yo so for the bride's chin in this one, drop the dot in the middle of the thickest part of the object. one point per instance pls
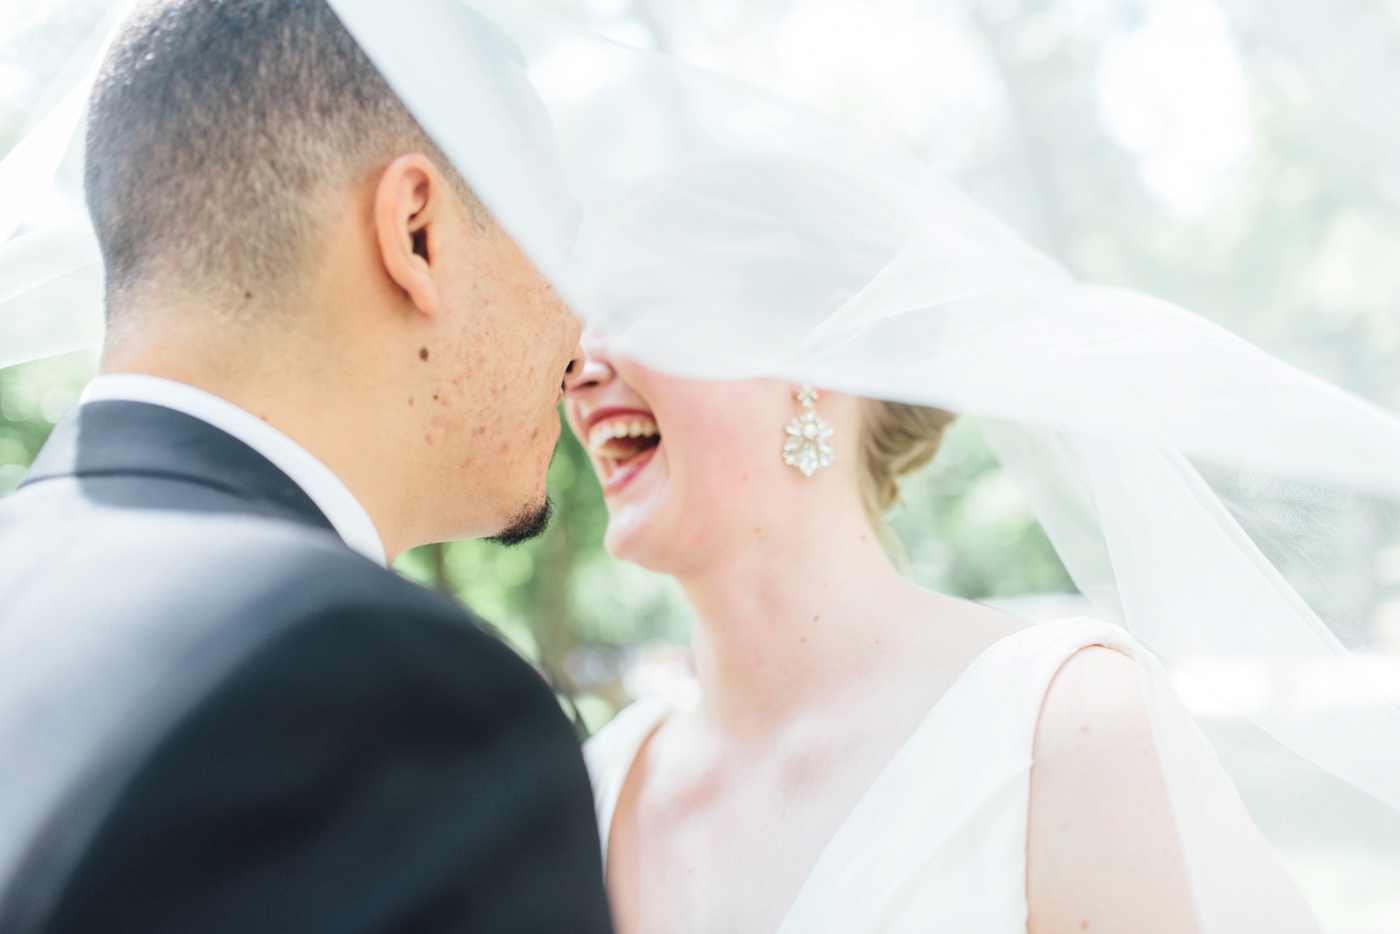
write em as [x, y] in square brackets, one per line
[636, 512]
[622, 543]
[631, 537]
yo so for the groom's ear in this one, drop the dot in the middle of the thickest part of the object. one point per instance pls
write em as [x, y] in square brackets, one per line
[409, 205]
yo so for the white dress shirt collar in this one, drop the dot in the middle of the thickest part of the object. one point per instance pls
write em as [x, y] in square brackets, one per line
[316, 480]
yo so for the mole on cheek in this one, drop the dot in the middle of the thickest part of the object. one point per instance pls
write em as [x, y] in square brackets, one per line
[423, 353]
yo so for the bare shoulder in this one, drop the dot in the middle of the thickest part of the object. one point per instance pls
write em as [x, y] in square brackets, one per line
[1103, 852]
[1094, 716]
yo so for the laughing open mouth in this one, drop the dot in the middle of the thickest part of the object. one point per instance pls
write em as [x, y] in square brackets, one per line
[622, 445]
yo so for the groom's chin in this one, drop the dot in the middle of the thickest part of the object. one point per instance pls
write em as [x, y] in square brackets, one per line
[530, 522]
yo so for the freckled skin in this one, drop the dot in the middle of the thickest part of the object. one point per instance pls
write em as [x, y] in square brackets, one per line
[511, 342]
[490, 359]
[407, 295]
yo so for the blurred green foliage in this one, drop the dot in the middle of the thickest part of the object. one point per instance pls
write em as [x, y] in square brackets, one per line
[32, 398]
[965, 527]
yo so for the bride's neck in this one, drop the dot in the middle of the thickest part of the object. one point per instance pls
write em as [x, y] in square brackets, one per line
[783, 622]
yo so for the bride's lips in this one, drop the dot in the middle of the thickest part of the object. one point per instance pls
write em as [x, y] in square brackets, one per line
[621, 443]
[625, 475]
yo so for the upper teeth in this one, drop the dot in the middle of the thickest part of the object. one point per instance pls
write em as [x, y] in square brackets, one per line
[603, 432]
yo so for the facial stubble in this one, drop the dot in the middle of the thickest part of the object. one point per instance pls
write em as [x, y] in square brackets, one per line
[530, 523]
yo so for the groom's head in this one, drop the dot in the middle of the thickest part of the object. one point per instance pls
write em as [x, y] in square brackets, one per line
[274, 220]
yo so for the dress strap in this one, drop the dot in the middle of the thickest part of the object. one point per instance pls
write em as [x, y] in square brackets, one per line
[611, 754]
[948, 815]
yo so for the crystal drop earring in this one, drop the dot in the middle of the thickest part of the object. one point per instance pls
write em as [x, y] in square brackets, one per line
[808, 445]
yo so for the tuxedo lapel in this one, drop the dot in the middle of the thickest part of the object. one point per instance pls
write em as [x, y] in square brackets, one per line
[136, 455]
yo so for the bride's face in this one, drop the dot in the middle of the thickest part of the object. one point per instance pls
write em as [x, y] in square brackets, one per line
[691, 469]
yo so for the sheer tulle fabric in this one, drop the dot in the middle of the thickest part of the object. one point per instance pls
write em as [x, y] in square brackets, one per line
[1198, 490]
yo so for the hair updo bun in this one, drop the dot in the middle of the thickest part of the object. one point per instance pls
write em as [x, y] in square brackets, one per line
[897, 439]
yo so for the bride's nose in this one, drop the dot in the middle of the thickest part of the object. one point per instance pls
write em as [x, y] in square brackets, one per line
[597, 370]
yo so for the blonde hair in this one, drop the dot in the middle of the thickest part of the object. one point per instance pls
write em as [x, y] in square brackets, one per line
[896, 439]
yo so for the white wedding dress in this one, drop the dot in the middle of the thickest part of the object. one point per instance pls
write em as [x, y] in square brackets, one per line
[938, 843]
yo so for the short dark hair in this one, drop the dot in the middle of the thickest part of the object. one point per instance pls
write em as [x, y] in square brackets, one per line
[216, 126]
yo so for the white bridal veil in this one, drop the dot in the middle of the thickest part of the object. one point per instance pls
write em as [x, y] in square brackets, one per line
[1195, 488]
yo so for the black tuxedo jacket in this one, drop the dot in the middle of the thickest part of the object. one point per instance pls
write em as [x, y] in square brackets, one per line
[216, 717]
